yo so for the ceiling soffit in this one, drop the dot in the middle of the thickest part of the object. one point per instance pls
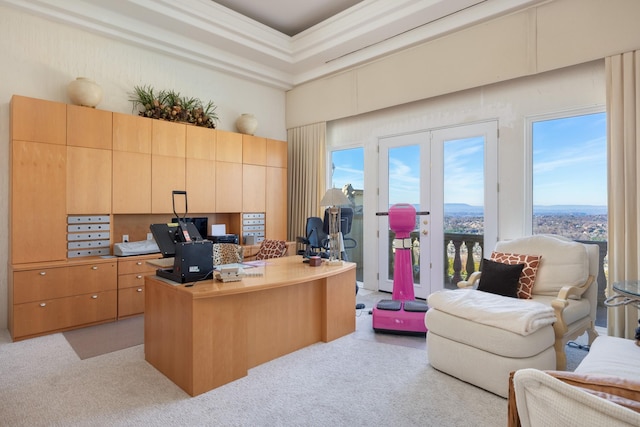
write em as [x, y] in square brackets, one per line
[213, 36]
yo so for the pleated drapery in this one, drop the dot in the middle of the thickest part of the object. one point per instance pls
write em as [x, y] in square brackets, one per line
[623, 124]
[307, 175]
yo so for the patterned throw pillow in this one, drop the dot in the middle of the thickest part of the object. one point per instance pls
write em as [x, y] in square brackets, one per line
[271, 249]
[528, 275]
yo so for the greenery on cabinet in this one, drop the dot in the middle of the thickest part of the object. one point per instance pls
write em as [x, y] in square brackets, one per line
[171, 106]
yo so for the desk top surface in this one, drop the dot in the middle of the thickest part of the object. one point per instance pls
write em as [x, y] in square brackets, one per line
[275, 272]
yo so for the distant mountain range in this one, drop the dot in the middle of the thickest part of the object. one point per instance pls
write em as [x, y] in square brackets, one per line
[463, 209]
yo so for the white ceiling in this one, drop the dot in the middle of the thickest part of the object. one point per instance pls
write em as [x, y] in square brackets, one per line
[255, 45]
[288, 16]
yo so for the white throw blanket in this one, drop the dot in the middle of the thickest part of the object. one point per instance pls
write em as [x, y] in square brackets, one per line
[512, 314]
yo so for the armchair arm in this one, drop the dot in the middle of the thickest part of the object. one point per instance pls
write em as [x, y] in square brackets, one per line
[560, 303]
[471, 280]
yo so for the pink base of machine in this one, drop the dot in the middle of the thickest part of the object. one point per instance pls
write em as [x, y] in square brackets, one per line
[402, 314]
[398, 321]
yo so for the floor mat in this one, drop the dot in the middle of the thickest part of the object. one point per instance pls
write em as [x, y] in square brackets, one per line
[96, 340]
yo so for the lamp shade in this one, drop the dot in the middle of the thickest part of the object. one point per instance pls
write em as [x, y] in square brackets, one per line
[334, 197]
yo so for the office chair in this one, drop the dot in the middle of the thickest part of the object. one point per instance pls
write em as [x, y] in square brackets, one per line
[346, 219]
[316, 239]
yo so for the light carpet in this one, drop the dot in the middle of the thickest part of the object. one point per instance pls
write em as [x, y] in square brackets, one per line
[349, 381]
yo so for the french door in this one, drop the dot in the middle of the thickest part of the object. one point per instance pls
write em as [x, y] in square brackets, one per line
[450, 173]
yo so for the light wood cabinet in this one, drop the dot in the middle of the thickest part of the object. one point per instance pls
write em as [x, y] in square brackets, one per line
[88, 181]
[88, 127]
[38, 120]
[131, 176]
[228, 187]
[276, 203]
[200, 172]
[254, 150]
[168, 148]
[38, 202]
[60, 297]
[131, 273]
[228, 147]
[254, 188]
[277, 154]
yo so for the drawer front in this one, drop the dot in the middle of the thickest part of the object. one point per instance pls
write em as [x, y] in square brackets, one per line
[132, 280]
[131, 301]
[50, 315]
[131, 266]
[94, 277]
[41, 284]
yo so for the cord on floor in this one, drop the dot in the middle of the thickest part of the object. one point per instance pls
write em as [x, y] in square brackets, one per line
[573, 344]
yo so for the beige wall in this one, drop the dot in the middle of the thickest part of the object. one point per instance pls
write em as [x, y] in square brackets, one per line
[39, 58]
[555, 35]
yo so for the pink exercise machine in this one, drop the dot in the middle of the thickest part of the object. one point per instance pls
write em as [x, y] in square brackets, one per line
[402, 314]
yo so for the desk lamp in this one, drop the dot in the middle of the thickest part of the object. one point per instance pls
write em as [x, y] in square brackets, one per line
[334, 198]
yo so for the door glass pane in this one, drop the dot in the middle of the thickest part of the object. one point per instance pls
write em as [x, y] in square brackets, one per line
[463, 207]
[404, 187]
[347, 168]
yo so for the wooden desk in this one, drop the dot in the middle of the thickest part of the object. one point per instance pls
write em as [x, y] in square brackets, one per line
[204, 336]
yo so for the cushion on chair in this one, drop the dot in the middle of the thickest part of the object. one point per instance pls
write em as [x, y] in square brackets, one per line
[563, 262]
[528, 275]
[271, 249]
[499, 278]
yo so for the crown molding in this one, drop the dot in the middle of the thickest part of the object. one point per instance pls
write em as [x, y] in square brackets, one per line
[217, 38]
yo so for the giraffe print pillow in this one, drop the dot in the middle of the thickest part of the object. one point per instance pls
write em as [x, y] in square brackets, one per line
[528, 275]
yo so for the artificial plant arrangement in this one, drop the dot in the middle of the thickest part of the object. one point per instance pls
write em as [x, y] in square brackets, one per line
[170, 105]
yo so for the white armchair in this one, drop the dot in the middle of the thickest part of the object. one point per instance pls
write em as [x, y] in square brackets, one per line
[544, 400]
[564, 280]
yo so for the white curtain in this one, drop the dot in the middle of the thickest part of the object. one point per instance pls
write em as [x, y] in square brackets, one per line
[307, 175]
[623, 124]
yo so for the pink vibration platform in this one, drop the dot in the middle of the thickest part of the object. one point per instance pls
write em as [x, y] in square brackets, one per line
[402, 314]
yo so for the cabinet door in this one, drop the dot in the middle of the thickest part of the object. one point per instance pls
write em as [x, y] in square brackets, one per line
[88, 181]
[277, 153]
[201, 143]
[228, 187]
[131, 301]
[254, 150]
[167, 175]
[276, 213]
[88, 127]
[131, 133]
[168, 138]
[253, 188]
[201, 185]
[228, 147]
[38, 202]
[131, 189]
[37, 120]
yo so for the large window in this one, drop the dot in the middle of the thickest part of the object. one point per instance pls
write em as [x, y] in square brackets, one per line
[347, 174]
[570, 177]
[569, 183]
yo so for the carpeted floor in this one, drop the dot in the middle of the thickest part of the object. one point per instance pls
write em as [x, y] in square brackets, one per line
[361, 379]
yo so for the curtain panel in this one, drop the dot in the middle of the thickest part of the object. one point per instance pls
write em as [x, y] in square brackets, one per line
[306, 175]
[623, 120]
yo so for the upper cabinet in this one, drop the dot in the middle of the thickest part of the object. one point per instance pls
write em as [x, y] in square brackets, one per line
[277, 153]
[131, 179]
[254, 150]
[168, 148]
[88, 127]
[37, 120]
[200, 173]
[229, 147]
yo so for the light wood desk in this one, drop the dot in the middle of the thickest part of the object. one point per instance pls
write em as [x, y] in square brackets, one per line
[204, 336]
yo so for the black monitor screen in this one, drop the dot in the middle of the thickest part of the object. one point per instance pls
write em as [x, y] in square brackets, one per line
[201, 224]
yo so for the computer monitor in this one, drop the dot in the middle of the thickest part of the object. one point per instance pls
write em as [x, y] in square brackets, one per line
[201, 224]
